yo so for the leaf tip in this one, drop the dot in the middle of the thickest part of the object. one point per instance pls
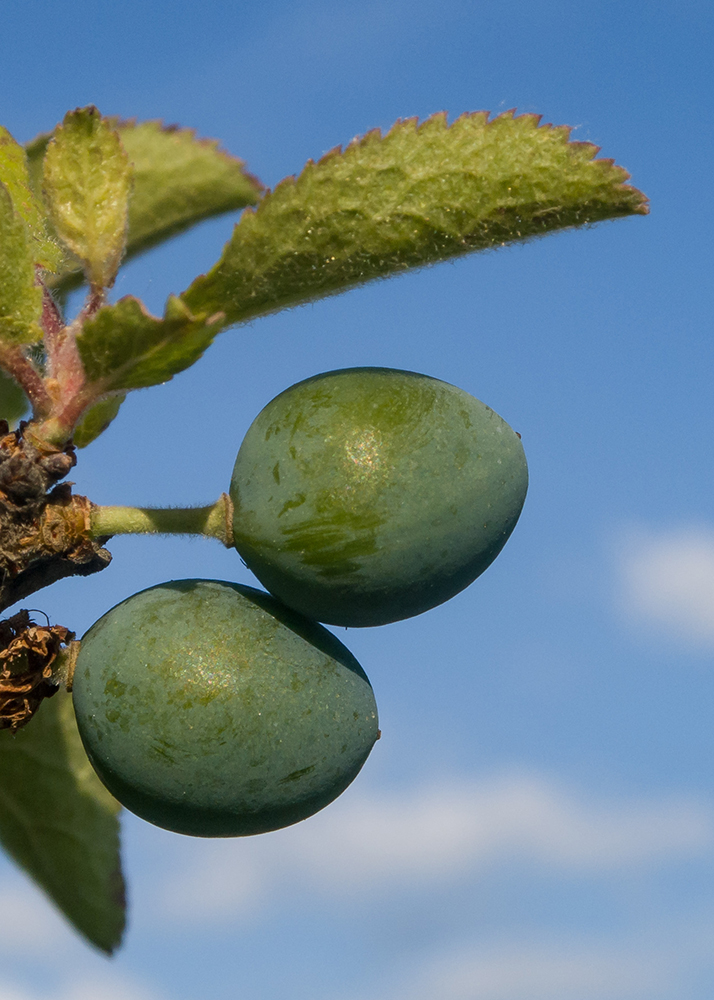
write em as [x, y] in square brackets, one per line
[373, 135]
[130, 302]
[329, 155]
[589, 148]
[439, 120]
[529, 118]
[642, 205]
[400, 125]
[90, 111]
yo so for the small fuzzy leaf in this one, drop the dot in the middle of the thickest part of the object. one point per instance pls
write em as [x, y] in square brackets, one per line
[96, 420]
[420, 194]
[178, 181]
[60, 824]
[20, 296]
[87, 181]
[14, 404]
[124, 347]
[15, 176]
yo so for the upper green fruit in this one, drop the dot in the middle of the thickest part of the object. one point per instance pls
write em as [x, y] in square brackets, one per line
[209, 708]
[368, 495]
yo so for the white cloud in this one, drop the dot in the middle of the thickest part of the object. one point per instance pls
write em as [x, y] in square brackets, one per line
[86, 989]
[663, 962]
[101, 989]
[31, 919]
[35, 936]
[532, 972]
[436, 834]
[668, 581]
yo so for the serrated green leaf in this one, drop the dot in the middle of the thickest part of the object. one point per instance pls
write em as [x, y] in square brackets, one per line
[179, 180]
[20, 297]
[87, 181]
[14, 404]
[96, 420]
[60, 824]
[124, 347]
[416, 196]
[15, 176]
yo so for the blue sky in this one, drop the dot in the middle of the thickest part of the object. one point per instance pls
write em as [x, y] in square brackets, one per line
[538, 818]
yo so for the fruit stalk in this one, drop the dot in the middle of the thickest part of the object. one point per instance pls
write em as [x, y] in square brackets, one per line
[213, 521]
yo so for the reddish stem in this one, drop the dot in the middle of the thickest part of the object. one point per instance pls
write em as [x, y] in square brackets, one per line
[59, 400]
[96, 298]
[23, 371]
[76, 406]
[52, 323]
[66, 372]
[51, 316]
[57, 428]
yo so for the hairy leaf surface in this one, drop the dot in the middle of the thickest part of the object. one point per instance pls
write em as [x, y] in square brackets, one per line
[60, 824]
[20, 297]
[179, 180]
[124, 347]
[87, 180]
[14, 174]
[418, 195]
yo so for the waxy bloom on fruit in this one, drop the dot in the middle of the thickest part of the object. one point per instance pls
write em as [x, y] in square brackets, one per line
[368, 495]
[209, 708]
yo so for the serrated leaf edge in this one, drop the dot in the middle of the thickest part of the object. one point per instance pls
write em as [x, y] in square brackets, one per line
[192, 133]
[438, 119]
[87, 266]
[175, 310]
[376, 134]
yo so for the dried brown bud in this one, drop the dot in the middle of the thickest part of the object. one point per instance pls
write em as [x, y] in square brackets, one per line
[26, 660]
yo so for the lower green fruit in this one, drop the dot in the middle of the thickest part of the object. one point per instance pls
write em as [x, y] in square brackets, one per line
[368, 495]
[209, 708]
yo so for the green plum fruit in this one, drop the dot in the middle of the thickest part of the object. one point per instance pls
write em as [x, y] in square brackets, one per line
[211, 709]
[368, 495]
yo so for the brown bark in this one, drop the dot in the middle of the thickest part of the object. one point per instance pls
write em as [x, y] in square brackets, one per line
[43, 527]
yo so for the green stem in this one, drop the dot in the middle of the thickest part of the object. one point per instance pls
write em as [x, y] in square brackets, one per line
[214, 521]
